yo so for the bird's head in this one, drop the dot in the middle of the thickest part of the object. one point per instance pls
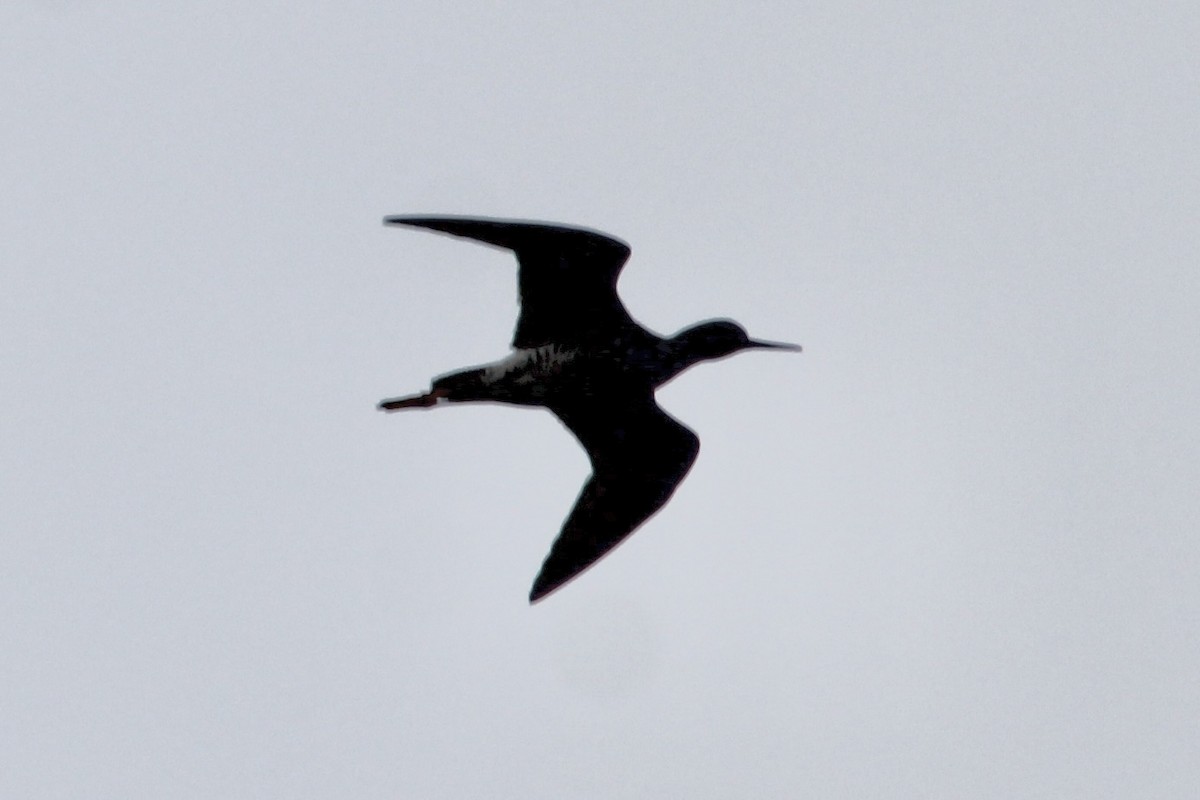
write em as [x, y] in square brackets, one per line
[721, 337]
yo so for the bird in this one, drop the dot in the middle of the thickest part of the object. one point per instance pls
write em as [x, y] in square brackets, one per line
[578, 353]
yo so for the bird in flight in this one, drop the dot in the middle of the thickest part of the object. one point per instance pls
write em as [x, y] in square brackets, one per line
[578, 353]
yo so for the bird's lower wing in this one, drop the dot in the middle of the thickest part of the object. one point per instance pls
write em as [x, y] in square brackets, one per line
[639, 456]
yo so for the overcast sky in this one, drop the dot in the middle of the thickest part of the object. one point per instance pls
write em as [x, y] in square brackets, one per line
[950, 551]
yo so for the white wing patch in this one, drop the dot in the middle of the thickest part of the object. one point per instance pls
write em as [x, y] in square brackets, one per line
[529, 365]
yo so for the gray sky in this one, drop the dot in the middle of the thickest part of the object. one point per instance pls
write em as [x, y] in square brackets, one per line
[950, 551]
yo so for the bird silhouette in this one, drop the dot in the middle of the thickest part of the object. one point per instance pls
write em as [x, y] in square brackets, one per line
[578, 353]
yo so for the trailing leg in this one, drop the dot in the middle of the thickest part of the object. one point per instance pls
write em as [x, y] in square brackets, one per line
[428, 400]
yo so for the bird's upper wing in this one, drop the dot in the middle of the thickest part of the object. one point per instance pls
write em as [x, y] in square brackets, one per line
[568, 276]
[639, 456]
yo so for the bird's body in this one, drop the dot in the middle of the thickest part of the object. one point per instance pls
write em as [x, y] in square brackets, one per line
[578, 353]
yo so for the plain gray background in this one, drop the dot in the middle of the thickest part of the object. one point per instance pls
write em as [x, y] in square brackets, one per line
[948, 552]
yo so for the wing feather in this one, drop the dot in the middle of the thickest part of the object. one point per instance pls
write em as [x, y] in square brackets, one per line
[639, 455]
[567, 281]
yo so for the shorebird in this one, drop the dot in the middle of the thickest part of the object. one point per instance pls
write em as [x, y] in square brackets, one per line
[578, 353]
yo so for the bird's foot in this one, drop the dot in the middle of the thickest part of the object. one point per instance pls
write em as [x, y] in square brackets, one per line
[416, 401]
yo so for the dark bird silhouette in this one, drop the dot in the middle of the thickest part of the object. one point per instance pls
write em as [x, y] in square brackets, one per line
[577, 352]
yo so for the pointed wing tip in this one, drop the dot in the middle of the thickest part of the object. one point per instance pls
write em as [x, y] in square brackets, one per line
[549, 582]
[543, 589]
[500, 232]
[555, 575]
[425, 220]
[436, 220]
